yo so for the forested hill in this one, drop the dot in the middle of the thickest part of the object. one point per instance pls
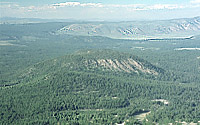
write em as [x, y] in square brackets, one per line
[94, 61]
[92, 87]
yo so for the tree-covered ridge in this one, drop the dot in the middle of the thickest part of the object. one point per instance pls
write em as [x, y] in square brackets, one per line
[51, 93]
[113, 61]
[95, 61]
[79, 97]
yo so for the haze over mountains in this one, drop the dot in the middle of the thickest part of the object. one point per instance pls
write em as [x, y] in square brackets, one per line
[160, 29]
[175, 28]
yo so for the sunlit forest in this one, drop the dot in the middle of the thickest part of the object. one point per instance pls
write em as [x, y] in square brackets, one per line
[48, 76]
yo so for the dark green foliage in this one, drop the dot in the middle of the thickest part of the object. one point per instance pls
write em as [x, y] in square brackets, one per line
[38, 85]
[88, 94]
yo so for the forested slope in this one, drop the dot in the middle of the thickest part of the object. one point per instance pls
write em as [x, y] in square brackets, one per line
[73, 89]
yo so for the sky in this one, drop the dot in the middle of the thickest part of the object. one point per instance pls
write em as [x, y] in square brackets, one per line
[107, 10]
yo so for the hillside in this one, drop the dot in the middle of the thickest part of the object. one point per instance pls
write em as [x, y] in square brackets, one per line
[177, 28]
[92, 87]
[66, 79]
[92, 61]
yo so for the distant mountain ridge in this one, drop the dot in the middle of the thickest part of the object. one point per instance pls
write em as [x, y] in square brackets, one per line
[137, 29]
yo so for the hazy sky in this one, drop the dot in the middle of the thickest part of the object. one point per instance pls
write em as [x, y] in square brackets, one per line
[100, 9]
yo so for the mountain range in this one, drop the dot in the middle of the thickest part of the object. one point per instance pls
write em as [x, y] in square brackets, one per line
[174, 28]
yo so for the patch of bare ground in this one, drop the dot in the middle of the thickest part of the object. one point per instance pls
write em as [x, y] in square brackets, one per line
[104, 63]
[128, 65]
[187, 49]
[166, 102]
[113, 64]
[91, 110]
[142, 116]
[185, 123]
[120, 124]
[121, 66]
[114, 97]
[5, 43]
[47, 77]
[140, 67]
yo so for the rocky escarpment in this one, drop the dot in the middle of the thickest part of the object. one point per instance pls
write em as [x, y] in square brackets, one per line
[129, 65]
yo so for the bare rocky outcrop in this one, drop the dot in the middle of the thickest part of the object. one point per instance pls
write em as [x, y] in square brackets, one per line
[127, 65]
